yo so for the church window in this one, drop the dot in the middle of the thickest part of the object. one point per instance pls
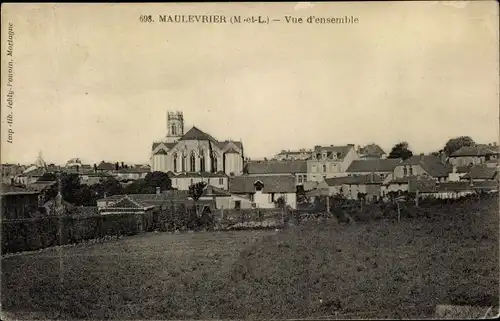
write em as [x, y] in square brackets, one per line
[174, 130]
[192, 163]
[405, 171]
[221, 181]
[175, 163]
[214, 162]
[202, 161]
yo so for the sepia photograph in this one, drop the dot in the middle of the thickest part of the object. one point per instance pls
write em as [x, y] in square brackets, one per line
[250, 161]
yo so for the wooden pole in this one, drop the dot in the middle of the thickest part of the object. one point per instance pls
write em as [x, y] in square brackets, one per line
[416, 198]
[399, 212]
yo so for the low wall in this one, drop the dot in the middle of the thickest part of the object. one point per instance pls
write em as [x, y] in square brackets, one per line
[38, 233]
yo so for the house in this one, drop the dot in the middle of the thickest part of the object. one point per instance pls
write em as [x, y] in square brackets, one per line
[277, 167]
[18, 202]
[352, 187]
[330, 161]
[264, 191]
[381, 167]
[301, 154]
[416, 167]
[473, 155]
[182, 181]
[224, 199]
[480, 172]
[371, 151]
[423, 165]
[105, 167]
[195, 151]
[125, 174]
[446, 190]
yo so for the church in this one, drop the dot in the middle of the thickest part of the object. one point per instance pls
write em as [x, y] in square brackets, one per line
[195, 155]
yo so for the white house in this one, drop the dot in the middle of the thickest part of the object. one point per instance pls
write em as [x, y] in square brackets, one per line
[264, 191]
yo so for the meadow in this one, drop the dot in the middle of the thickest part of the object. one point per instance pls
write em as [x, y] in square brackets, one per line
[382, 269]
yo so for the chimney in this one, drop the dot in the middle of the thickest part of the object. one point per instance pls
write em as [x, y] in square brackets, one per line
[158, 190]
[454, 169]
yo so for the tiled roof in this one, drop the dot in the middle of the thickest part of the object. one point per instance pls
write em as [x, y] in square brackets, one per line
[276, 167]
[130, 202]
[479, 150]
[372, 150]
[354, 180]
[373, 165]
[272, 184]
[431, 164]
[197, 134]
[481, 171]
[333, 152]
[463, 169]
[165, 198]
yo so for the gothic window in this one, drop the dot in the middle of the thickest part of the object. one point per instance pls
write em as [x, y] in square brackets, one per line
[202, 161]
[174, 130]
[192, 163]
[175, 163]
[214, 162]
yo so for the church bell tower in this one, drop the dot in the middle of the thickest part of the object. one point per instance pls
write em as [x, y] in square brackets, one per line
[175, 126]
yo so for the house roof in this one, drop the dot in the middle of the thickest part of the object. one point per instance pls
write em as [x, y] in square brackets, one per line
[272, 184]
[444, 187]
[106, 166]
[333, 152]
[429, 163]
[276, 167]
[372, 150]
[481, 171]
[196, 134]
[214, 191]
[373, 165]
[354, 180]
[478, 150]
[231, 150]
[41, 185]
[15, 190]
[224, 143]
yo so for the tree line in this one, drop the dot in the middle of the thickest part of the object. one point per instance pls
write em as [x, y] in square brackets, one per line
[402, 149]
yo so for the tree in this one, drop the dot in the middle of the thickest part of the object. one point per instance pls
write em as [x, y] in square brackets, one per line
[157, 179]
[401, 150]
[195, 192]
[109, 186]
[47, 177]
[456, 143]
[280, 202]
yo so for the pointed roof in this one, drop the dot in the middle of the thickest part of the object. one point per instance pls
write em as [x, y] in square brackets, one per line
[196, 134]
[231, 150]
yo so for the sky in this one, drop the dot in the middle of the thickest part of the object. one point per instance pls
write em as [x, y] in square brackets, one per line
[92, 81]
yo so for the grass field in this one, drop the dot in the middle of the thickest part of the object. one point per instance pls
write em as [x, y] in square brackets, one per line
[377, 269]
